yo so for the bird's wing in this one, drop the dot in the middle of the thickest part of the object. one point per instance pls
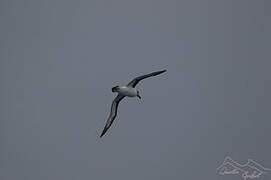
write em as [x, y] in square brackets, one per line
[113, 113]
[136, 80]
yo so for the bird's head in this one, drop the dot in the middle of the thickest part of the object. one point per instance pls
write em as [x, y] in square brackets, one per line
[115, 89]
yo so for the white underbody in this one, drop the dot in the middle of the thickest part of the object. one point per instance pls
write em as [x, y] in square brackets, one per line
[127, 91]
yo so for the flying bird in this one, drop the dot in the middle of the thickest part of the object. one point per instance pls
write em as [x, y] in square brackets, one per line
[128, 90]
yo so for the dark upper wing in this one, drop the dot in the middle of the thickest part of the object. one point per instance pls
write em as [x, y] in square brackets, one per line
[113, 113]
[134, 82]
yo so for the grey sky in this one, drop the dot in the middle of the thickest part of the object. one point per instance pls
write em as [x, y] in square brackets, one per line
[59, 60]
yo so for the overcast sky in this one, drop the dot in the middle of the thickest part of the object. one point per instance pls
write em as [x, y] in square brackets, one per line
[60, 58]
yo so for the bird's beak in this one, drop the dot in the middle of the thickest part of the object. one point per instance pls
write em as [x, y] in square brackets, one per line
[139, 96]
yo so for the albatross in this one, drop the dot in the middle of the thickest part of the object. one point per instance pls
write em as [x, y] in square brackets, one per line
[130, 91]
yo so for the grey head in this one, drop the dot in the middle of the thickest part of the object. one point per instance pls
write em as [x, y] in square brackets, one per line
[115, 89]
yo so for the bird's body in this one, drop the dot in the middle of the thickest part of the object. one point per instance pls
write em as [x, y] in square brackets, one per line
[130, 91]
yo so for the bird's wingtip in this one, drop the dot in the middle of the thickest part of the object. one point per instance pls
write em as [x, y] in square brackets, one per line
[103, 133]
[162, 71]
